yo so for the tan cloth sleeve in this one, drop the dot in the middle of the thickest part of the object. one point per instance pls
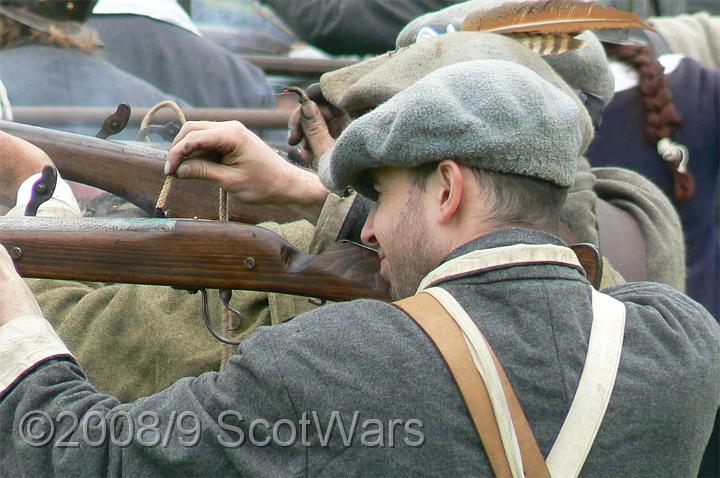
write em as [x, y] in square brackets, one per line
[696, 36]
[134, 340]
[25, 342]
[610, 276]
[332, 217]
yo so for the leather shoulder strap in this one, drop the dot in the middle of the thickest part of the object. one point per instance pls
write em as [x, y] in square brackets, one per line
[450, 341]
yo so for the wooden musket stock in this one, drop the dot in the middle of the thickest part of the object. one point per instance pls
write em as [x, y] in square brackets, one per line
[135, 172]
[187, 254]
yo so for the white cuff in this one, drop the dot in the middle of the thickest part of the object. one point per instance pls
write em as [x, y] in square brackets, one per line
[62, 203]
[24, 343]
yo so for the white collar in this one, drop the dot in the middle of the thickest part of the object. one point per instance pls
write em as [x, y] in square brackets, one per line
[168, 11]
[627, 77]
[486, 259]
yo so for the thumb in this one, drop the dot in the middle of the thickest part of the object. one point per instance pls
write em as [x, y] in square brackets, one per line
[316, 130]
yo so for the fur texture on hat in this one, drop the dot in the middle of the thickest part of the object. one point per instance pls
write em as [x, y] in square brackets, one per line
[496, 115]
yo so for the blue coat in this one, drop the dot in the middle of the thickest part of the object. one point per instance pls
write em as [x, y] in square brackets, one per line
[621, 142]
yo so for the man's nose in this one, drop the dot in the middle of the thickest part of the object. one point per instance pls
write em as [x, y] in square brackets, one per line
[367, 235]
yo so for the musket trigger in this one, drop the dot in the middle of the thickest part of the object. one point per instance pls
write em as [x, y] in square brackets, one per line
[42, 190]
[225, 295]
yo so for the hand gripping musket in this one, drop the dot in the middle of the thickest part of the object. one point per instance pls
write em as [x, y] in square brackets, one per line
[135, 172]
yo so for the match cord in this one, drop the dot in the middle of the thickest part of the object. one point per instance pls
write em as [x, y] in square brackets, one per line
[228, 349]
[671, 152]
[167, 185]
[223, 213]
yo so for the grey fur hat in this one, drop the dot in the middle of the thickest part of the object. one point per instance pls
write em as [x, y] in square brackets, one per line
[585, 69]
[493, 114]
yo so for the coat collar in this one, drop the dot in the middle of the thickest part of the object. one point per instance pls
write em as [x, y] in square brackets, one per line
[502, 249]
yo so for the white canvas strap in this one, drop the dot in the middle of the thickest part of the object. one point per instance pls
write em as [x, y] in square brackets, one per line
[479, 350]
[588, 408]
[597, 380]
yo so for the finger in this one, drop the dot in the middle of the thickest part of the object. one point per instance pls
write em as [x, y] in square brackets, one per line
[218, 140]
[204, 169]
[191, 126]
[295, 128]
[295, 131]
[316, 129]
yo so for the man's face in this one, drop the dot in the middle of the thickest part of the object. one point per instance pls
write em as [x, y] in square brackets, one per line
[398, 227]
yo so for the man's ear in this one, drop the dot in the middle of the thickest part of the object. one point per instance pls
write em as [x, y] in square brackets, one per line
[449, 192]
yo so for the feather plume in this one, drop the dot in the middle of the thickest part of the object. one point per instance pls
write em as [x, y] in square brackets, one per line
[551, 17]
[548, 44]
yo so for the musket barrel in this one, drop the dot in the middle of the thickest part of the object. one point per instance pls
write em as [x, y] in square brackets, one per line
[37, 134]
[94, 116]
[312, 67]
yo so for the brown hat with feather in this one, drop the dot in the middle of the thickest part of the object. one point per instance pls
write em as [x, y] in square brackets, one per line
[553, 28]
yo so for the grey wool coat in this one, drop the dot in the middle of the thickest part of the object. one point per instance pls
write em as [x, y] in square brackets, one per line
[181, 63]
[367, 359]
[42, 75]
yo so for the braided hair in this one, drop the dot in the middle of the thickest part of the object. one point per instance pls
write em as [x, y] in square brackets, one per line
[662, 119]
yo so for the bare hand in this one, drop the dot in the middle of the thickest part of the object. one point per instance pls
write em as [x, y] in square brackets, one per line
[16, 299]
[249, 170]
[18, 161]
[318, 123]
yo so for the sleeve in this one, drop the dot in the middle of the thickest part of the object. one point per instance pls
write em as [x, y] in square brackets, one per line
[696, 36]
[338, 220]
[203, 426]
[26, 342]
[125, 354]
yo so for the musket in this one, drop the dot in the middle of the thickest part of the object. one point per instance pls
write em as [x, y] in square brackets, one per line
[309, 67]
[191, 254]
[135, 172]
[197, 254]
[94, 115]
